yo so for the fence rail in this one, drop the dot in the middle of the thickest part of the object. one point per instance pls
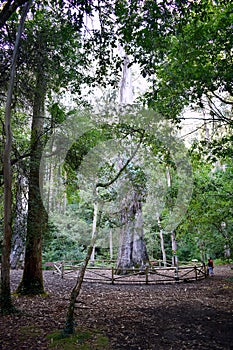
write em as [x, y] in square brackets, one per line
[148, 275]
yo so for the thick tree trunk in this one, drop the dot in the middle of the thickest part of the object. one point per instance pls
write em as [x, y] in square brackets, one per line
[32, 281]
[5, 296]
[20, 222]
[132, 250]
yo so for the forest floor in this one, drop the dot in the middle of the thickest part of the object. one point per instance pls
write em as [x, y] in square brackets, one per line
[195, 315]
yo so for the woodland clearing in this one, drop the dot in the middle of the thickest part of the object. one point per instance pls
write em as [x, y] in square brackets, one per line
[195, 315]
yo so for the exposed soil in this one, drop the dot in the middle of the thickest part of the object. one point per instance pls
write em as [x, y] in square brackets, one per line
[196, 315]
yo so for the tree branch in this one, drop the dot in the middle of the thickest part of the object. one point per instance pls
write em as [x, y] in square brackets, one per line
[222, 99]
[107, 184]
[8, 9]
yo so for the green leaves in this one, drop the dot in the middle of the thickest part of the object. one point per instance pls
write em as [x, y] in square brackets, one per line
[211, 205]
[58, 113]
[184, 48]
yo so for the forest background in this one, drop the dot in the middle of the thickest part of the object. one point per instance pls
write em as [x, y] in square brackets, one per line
[75, 65]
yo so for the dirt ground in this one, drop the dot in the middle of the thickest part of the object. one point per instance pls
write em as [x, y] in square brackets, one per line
[195, 315]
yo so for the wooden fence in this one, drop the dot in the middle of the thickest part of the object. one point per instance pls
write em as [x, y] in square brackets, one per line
[148, 275]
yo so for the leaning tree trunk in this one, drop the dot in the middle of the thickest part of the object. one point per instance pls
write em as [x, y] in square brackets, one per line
[69, 325]
[5, 296]
[32, 280]
[132, 250]
[20, 222]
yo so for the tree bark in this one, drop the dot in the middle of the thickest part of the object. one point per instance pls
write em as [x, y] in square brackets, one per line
[8, 9]
[173, 234]
[94, 224]
[110, 244]
[5, 297]
[32, 280]
[20, 222]
[132, 250]
[162, 242]
[174, 249]
[69, 325]
[6, 303]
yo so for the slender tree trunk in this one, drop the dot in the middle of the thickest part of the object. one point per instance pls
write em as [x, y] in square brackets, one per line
[174, 249]
[69, 326]
[173, 234]
[94, 223]
[20, 223]
[227, 249]
[110, 244]
[5, 297]
[126, 88]
[32, 281]
[162, 242]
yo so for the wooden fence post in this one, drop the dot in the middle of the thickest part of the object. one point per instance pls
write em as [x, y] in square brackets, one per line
[204, 268]
[195, 268]
[176, 274]
[62, 269]
[112, 275]
[147, 273]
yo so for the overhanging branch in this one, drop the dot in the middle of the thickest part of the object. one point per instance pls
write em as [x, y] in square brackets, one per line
[107, 184]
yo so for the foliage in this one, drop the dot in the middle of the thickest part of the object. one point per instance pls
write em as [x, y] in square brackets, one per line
[210, 207]
[184, 48]
[70, 232]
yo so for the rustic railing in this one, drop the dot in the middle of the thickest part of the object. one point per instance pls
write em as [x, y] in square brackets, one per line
[146, 275]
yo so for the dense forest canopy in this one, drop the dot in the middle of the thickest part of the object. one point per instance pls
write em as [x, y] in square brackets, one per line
[106, 166]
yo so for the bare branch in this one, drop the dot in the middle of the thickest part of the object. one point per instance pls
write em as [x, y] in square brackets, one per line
[107, 184]
[222, 99]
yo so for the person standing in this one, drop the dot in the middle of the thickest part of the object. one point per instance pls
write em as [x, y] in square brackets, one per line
[210, 267]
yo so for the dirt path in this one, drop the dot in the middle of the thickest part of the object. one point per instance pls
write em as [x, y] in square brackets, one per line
[194, 315]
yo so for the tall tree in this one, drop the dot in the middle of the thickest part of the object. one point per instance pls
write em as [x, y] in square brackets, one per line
[32, 281]
[6, 302]
[45, 38]
[57, 62]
